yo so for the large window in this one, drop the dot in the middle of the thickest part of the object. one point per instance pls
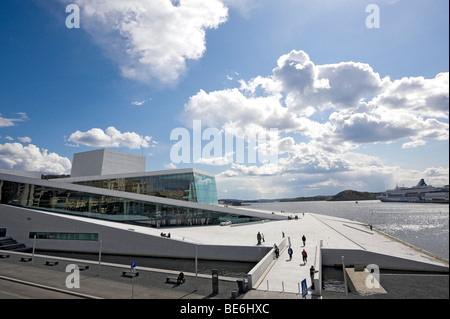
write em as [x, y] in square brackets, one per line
[119, 209]
[64, 236]
[193, 187]
[206, 190]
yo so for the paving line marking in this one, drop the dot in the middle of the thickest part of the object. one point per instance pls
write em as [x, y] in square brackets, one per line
[338, 231]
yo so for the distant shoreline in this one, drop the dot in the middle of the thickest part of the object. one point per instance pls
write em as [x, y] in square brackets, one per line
[347, 195]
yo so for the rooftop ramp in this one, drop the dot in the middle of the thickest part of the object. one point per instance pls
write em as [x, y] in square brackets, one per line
[328, 239]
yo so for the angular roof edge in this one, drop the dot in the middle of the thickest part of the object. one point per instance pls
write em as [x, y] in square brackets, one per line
[131, 175]
[139, 197]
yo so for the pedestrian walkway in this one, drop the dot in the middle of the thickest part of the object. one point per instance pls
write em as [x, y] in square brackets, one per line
[339, 235]
[285, 274]
[282, 278]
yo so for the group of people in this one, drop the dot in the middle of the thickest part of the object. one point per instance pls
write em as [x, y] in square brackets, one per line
[290, 250]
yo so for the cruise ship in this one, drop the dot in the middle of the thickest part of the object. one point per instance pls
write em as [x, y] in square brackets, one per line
[421, 193]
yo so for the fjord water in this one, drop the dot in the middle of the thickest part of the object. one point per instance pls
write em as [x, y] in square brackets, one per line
[423, 225]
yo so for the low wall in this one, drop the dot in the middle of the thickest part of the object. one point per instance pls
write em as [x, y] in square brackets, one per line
[331, 257]
[318, 266]
[260, 268]
[19, 222]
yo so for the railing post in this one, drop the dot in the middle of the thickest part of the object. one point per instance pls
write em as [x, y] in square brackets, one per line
[345, 277]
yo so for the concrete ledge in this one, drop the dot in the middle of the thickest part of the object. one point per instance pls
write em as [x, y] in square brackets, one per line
[333, 257]
[364, 282]
[257, 272]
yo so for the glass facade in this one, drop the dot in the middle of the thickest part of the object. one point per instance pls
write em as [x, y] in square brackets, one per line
[193, 187]
[145, 213]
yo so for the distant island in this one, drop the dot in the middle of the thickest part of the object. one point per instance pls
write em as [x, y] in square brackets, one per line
[347, 195]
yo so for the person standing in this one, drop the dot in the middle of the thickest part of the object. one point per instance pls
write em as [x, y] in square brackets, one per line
[304, 240]
[312, 272]
[180, 278]
[305, 256]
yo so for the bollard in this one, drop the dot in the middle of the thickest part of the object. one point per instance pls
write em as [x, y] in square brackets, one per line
[215, 281]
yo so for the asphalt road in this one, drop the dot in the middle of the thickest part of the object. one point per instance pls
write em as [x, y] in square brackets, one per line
[153, 285]
[14, 290]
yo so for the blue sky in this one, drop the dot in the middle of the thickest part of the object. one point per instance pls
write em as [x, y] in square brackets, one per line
[353, 107]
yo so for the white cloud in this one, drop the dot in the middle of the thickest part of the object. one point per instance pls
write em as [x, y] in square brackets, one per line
[24, 139]
[31, 158]
[367, 109]
[6, 122]
[414, 144]
[170, 166]
[324, 114]
[423, 97]
[152, 39]
[140, 103]
[215, 161]
[111, 137]
[339, 85]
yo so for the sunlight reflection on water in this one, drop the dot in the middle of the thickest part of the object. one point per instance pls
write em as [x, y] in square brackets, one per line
[423, 225]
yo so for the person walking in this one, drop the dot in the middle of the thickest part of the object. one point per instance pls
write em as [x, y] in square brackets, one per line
[304, 240]
[290, 252]
[277, 251]
[305, 256]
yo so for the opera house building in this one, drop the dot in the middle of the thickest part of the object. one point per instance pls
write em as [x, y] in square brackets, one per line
[110, 198]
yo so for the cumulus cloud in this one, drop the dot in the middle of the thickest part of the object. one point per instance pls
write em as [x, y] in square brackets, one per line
[339, 85]
[325, 113]
[152, 39]
[366, 108]
[32, 158]
[111, 137]
[424, 97]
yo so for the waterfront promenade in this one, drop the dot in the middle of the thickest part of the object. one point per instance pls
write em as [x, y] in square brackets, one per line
[280, 280]
[338, 236]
